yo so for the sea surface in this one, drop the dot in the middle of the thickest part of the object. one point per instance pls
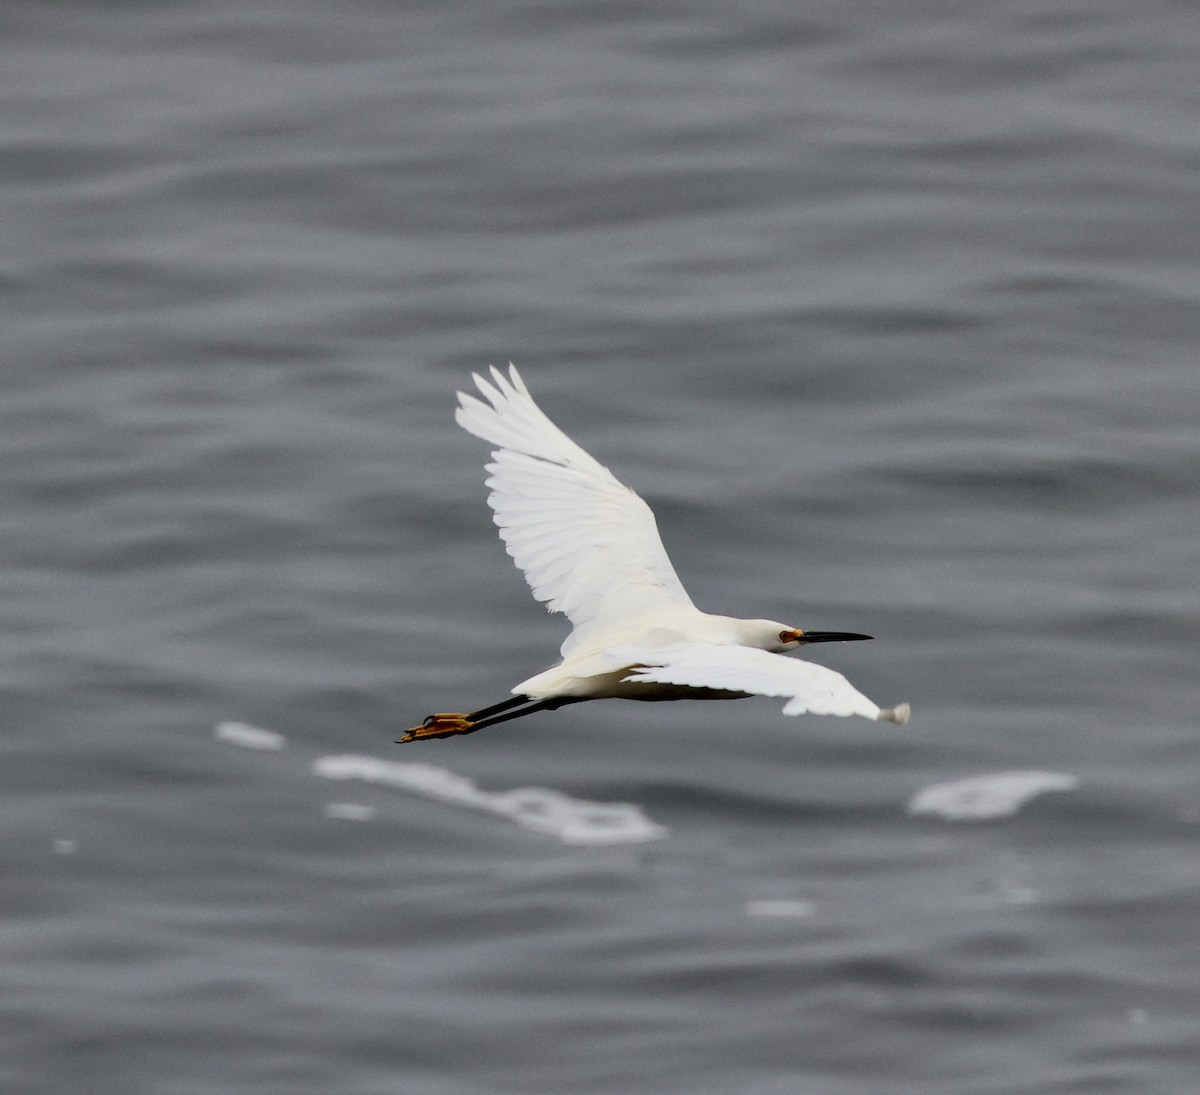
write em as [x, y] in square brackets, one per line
[891, 312]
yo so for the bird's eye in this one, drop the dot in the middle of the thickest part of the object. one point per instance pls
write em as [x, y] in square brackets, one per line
[786, 636]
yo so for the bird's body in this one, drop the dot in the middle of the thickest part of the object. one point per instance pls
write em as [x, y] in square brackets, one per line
[589, 548]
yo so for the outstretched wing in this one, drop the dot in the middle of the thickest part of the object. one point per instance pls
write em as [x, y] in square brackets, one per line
[588, 545]
[807, 686]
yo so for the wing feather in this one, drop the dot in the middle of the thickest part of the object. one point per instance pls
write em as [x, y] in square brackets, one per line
[808, 687]
[587, 544]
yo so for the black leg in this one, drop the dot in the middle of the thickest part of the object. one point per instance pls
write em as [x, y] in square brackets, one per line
[540, 705]
[450, 725]
[496, 708]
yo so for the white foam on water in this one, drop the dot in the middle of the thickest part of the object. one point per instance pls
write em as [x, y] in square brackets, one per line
[349, 811]
[980, 798]
[249, 737]
[781, 909]
[571, 820]
[1020, 895]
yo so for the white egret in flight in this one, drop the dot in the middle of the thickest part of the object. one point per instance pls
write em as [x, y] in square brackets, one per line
[590, 549]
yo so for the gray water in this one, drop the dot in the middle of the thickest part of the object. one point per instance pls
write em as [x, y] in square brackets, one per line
[891, 314]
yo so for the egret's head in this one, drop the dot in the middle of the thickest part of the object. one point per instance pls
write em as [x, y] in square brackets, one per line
[784, 638]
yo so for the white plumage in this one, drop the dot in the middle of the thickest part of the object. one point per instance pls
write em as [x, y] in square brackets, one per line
[589, 548]
[808, 687]
[588, 545]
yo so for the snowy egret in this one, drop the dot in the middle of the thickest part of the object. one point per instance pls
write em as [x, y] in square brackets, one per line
[589, 548]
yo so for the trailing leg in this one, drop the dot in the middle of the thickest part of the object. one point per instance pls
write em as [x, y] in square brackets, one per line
[450, 724]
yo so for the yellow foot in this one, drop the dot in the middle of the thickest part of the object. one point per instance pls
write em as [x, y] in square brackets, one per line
[439, 726]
